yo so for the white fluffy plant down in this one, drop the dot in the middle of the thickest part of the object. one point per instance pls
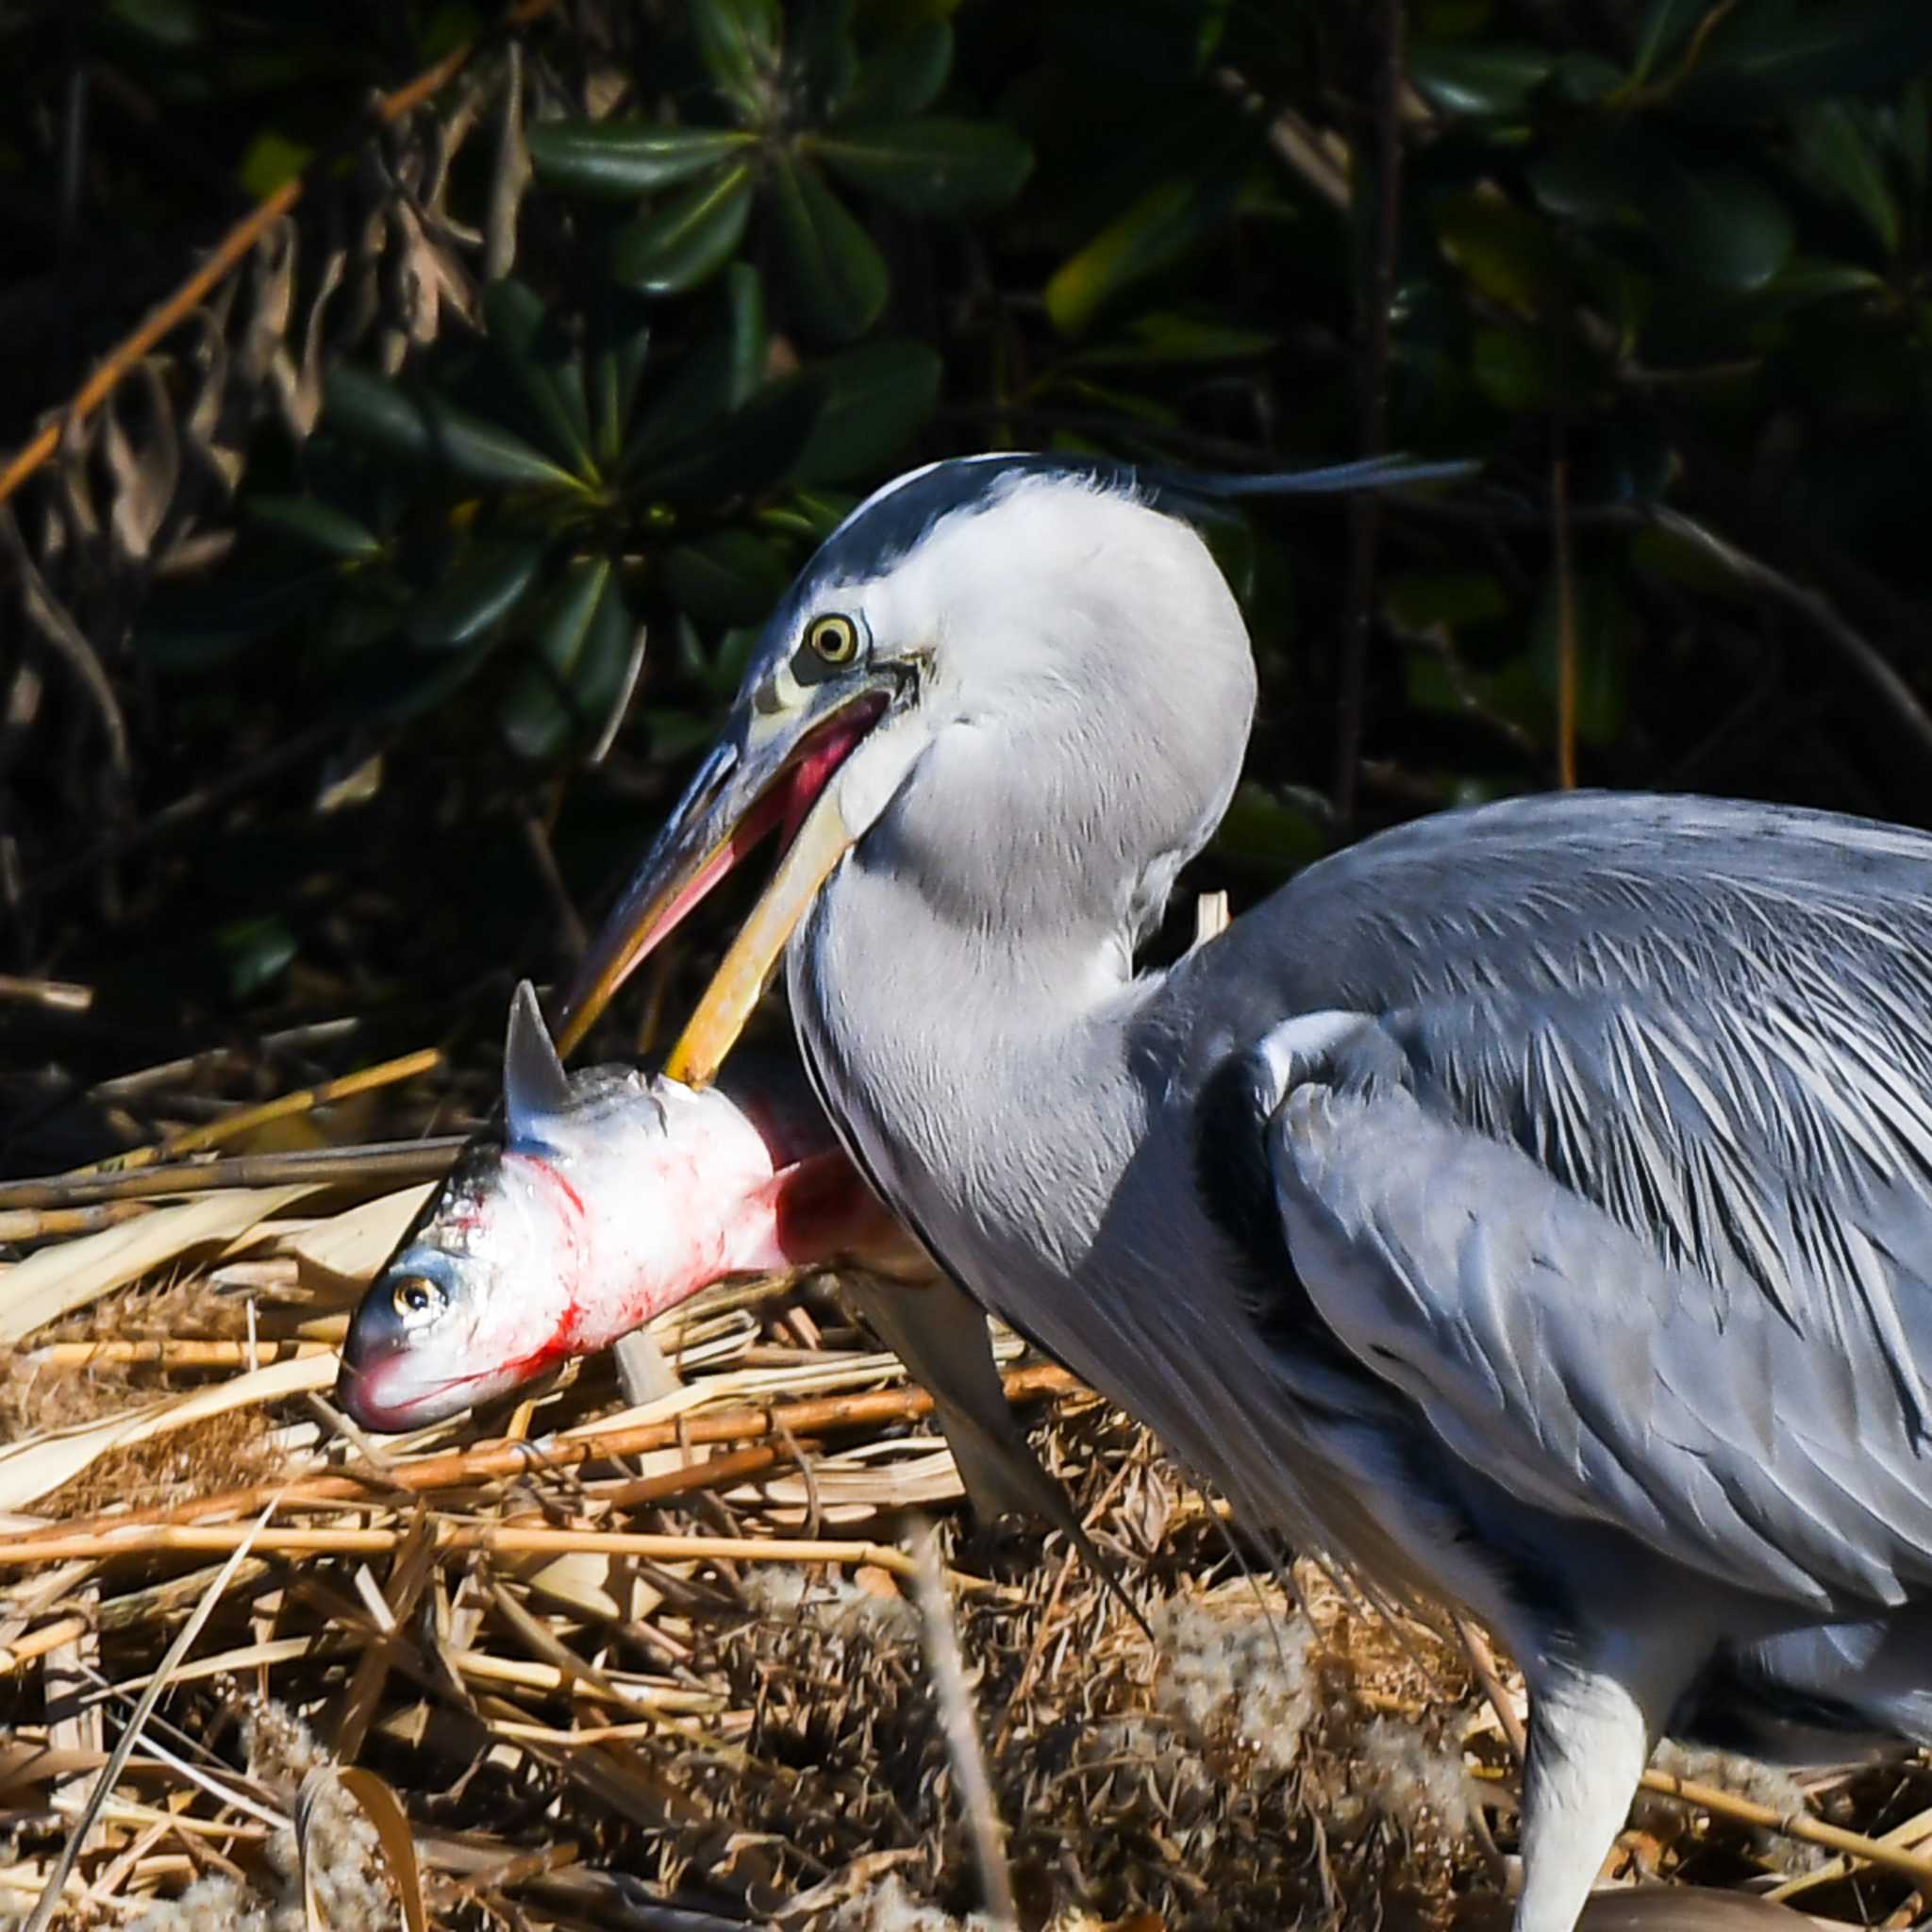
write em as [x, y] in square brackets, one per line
[345, 1864]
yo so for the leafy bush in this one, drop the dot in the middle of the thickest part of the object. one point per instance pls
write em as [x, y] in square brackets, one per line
[554, 384]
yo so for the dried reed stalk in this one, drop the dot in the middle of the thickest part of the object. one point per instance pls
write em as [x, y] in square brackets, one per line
[202, 1539]
[818, 1416]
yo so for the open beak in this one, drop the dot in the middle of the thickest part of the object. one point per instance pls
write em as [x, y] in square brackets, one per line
[765, 775]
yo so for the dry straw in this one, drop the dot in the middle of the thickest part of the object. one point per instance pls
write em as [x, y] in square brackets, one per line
[692, 1649]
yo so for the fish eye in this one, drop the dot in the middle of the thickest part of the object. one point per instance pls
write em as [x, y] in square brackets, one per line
[833, 638]
[415, 1297]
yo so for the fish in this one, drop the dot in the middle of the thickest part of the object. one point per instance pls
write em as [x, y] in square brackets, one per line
[593, 1204]
[600, 1200]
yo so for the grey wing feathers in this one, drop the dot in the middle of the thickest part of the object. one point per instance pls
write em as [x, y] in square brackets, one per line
[1624, 1171]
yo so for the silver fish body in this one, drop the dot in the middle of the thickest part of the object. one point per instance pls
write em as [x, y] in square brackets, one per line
[597, 1202]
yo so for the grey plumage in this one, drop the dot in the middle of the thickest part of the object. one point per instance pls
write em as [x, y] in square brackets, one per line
[1532, 1205]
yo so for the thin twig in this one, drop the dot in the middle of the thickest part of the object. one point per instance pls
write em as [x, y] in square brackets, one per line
[1296, 141]
[572, 936]
[1711, 1798]
[46, 1224]
[1482, 1661]
[58, 995]
[1817, 609]
[498, 1460]
[973, 1781]
[1810, 1831]
[245, 1120]
[165, 1352]
[452, 1538]
[389, 1163]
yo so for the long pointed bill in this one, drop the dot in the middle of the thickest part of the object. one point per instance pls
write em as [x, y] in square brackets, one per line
[744, 790]
[713, 1028]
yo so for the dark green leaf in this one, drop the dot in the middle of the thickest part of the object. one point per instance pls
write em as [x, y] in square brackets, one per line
[674, 734]
[743, 454]
[821, 62]
[1588, 180]
[1667, 25]
[1131, 406]
[1799, 282]
[256, 952]
[738, 43]
[1487, 77]
[544, 366]
[622, 159]
[1762, 60]
[200, 625]
[931, 167]
[317, 525]
[1456, 599]
[816, 513]
[399, 690]
[876, 397]
[1509, 255]
[372, 410]
[476, 597]
[836, 277]
[1172, 219]
[1517, 369]
[272, 161]
[905, 75]
[621, 344]
[747, 338]
[689, 239]
[1583, 80]
[576, 671]
[722, 373]
[1836, 152]
[1166, 337]
[161, 22]
[1722, 225]
[731, 657]
[1911, 140]
[369, 408]
[1267, 833]
[1714, 224]
[728, 578]
[363, 613]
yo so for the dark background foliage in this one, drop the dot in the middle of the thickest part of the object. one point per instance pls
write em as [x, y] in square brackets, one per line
[351, 649]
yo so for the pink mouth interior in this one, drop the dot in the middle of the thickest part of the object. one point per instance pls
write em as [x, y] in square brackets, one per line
[783, 805]
[813, 770]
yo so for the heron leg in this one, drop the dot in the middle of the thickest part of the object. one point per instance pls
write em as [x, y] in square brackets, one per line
[1589, 1737]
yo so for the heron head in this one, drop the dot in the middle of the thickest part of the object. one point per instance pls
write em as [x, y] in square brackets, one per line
[1032, 662]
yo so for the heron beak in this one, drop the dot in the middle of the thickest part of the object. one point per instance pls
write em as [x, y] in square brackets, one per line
[712, 1030]
[753, 783]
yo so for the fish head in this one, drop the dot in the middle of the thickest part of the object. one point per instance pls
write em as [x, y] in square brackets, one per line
[476, 1302]
[601, 1200]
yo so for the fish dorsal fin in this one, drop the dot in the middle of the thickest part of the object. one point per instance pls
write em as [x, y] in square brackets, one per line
[536, 1089]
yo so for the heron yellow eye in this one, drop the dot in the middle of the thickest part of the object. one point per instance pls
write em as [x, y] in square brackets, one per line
[834, 638]
[415, 1296]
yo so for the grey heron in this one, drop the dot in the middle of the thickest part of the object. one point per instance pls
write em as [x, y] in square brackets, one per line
[1531, 1205]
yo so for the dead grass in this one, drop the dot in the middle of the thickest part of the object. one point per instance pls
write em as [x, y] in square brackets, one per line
[570, 1729]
